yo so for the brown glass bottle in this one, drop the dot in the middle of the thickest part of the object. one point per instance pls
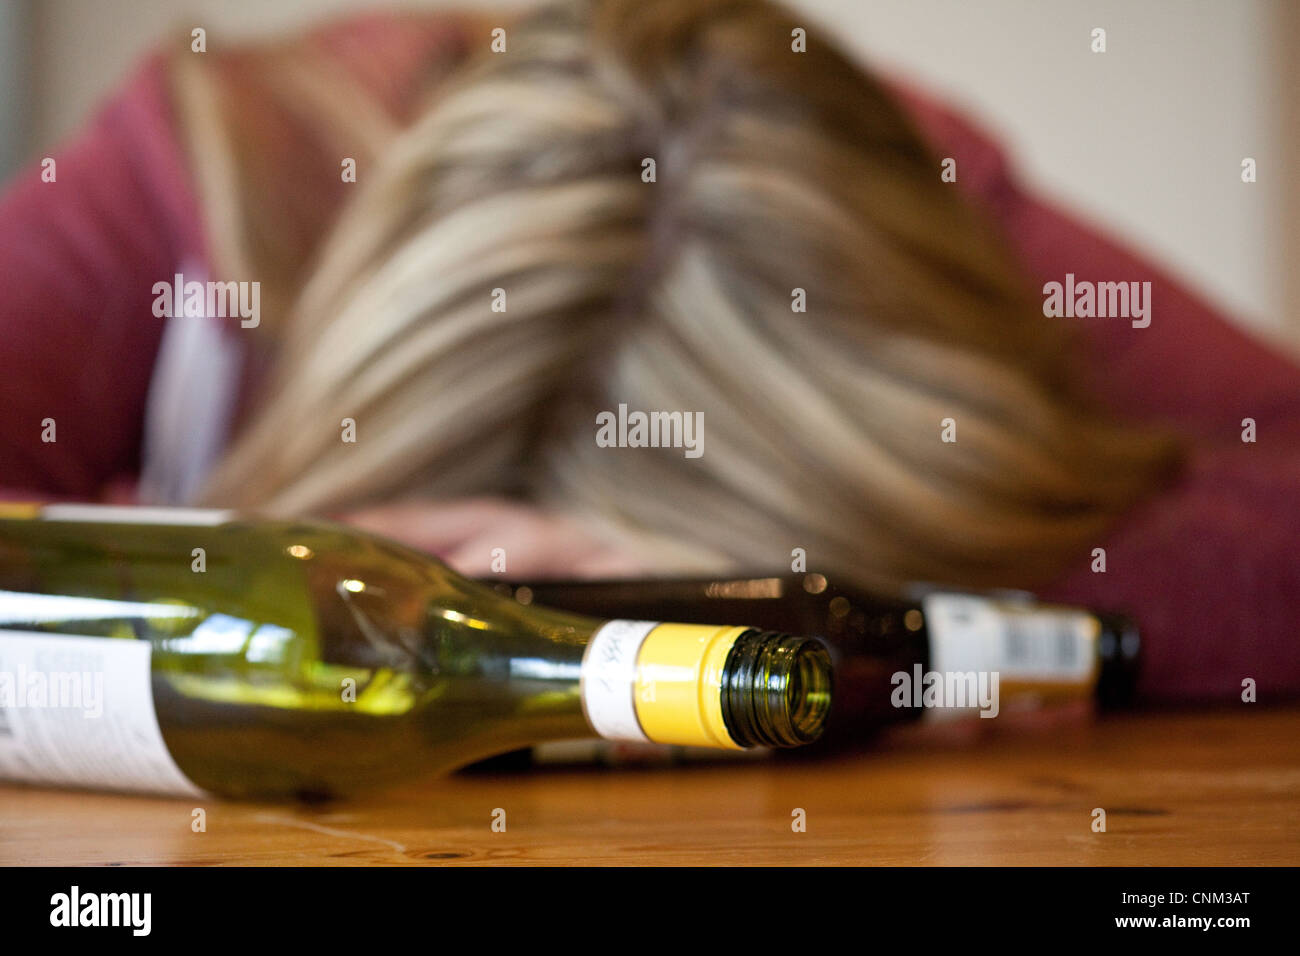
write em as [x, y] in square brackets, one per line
[1044, 653]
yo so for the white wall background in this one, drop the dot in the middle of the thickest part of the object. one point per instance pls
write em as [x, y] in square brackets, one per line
[1147, 138]
[14, 103]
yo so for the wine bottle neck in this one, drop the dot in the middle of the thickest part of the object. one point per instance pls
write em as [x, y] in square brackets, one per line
[703, 685]
[776, 689]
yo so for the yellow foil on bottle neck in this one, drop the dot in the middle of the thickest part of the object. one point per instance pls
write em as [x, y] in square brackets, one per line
[23, 510]
[679, 684]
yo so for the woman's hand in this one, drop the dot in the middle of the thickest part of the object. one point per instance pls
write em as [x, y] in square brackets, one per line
[535, 543]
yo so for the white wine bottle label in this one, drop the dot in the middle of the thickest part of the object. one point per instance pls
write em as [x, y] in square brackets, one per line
[608, 681]
[78, 711]
[982, 650]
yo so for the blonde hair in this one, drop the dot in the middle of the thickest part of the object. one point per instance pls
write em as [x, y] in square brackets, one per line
[775, 171]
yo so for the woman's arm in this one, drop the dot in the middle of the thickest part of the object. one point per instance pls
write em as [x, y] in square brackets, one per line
[1190, 367]
[79, 256]
[1211, 566]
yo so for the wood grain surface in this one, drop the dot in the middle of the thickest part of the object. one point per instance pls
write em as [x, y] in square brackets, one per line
[1200, 788]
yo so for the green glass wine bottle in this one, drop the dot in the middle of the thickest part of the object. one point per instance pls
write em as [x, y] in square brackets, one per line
[185, 651]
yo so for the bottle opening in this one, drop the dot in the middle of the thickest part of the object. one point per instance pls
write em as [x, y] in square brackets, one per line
[776, 689]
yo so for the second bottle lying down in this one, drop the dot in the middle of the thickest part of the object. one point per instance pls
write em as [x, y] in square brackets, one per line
[309, 659]
[896, 658]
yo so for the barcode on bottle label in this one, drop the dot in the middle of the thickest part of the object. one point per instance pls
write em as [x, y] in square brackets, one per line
[78, 711]
[1043, 642]
[1026, 645]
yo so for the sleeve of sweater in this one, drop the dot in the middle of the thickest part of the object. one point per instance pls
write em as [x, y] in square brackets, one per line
[79, 255]
[82, 243]
[1210, 567]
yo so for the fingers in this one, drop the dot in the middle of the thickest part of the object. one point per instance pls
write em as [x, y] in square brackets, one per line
[467, 534]
[536, 545]
[437, 527]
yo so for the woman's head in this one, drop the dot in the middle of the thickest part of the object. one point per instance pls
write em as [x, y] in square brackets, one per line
[506, 272]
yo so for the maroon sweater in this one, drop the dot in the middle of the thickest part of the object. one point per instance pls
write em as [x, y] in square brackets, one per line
[1209, 568]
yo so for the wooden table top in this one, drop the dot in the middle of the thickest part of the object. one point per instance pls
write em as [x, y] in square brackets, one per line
[1201, 788]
